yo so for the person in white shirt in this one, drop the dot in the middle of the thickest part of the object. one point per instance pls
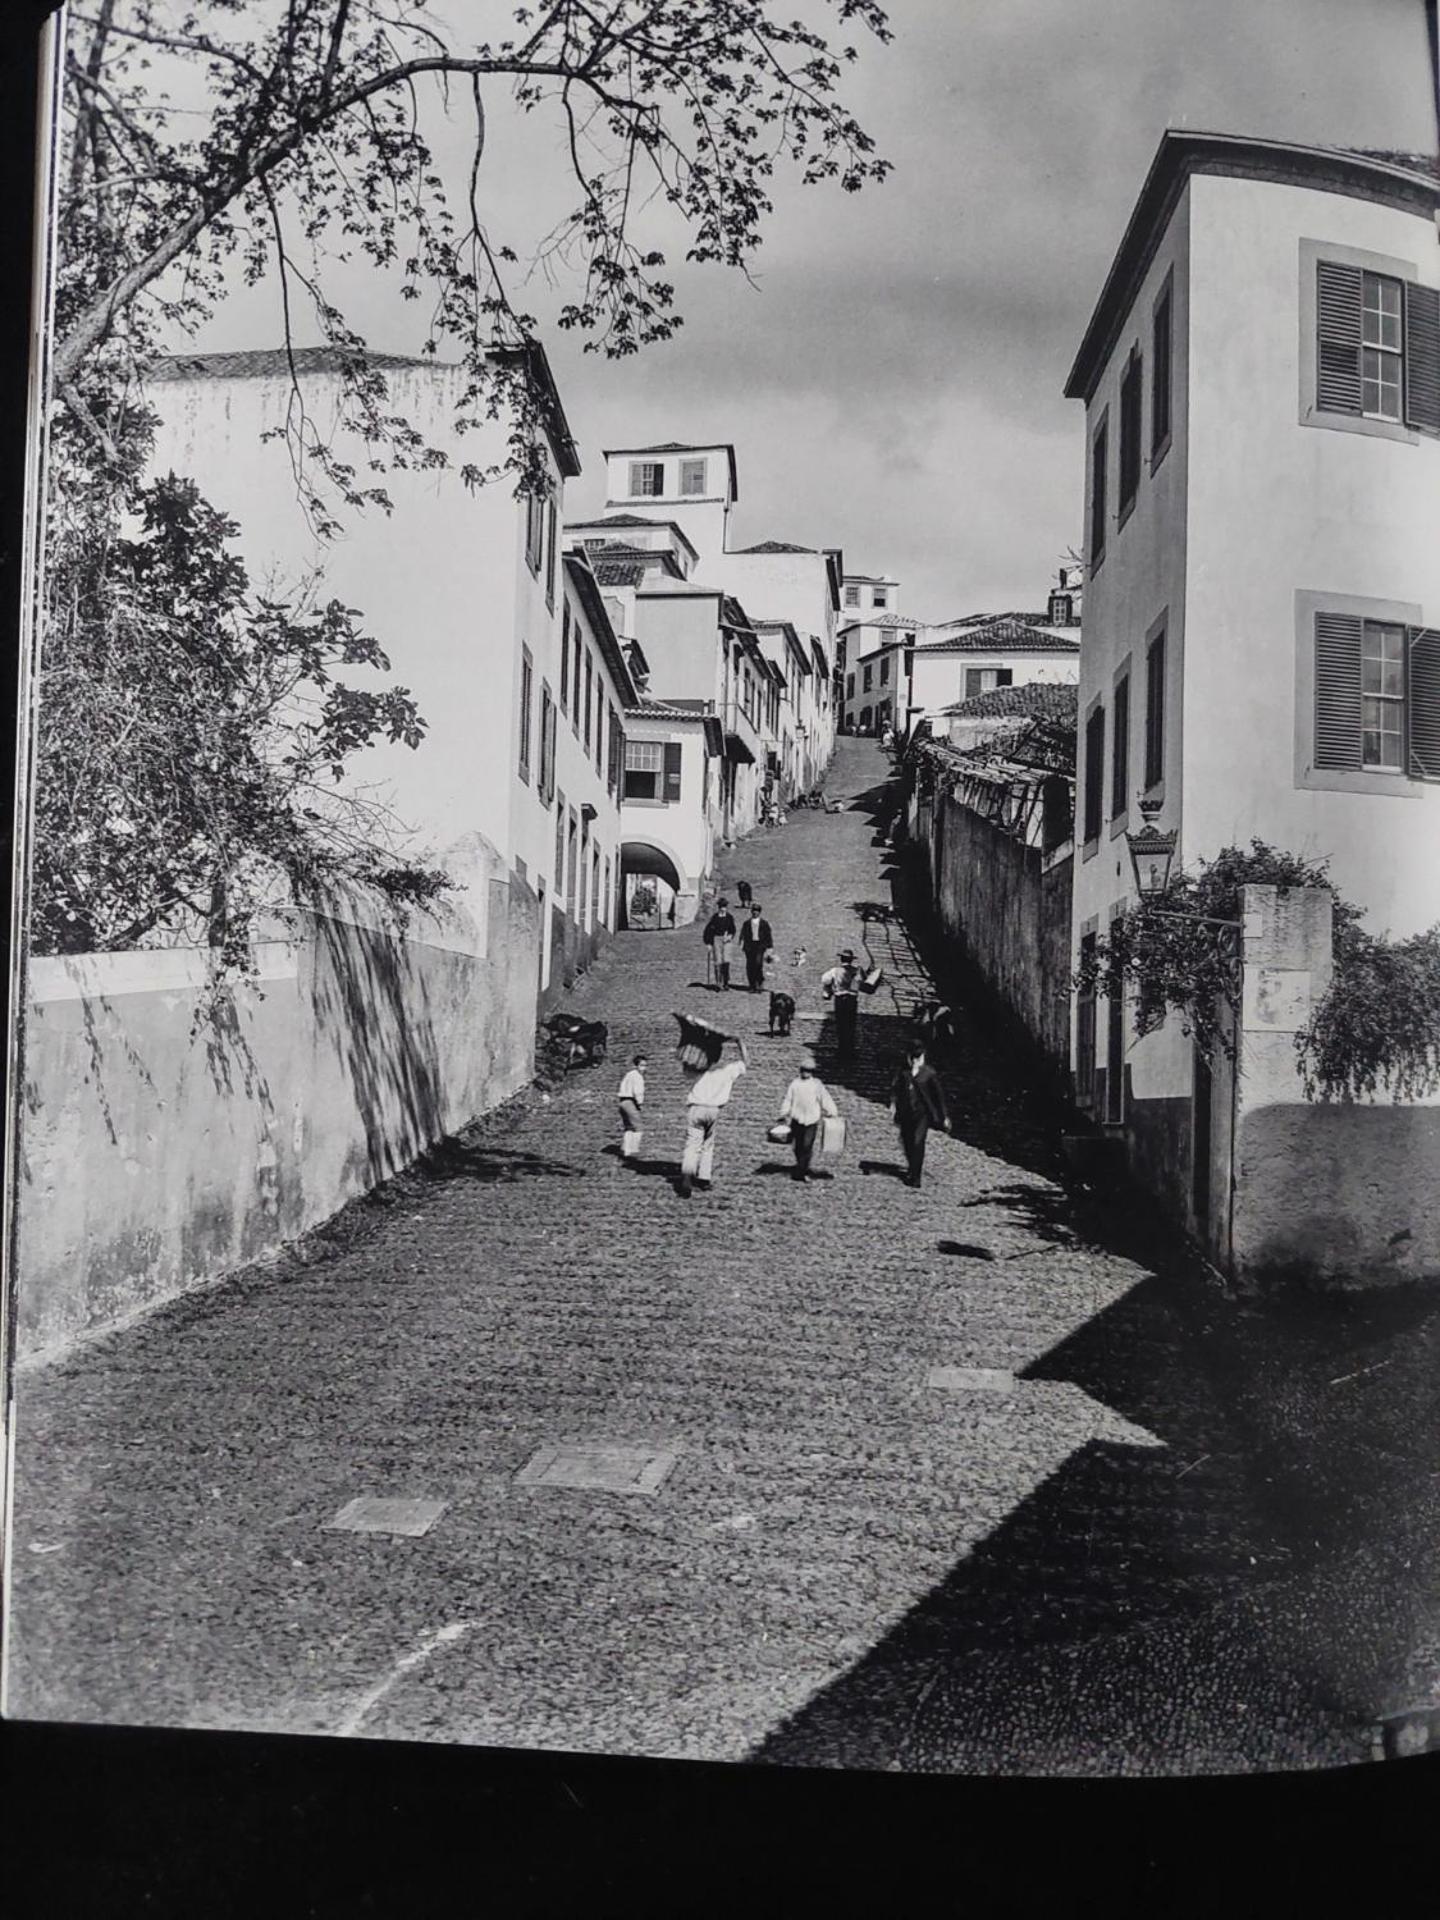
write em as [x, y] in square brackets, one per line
[842, 984]
[709, 1094]
[807, 1101]
[632, 1101]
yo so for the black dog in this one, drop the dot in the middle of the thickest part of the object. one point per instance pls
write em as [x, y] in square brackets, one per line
[782, 1012]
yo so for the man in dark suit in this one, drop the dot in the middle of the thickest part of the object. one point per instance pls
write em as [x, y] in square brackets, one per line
[917, 1102]
[756, 939]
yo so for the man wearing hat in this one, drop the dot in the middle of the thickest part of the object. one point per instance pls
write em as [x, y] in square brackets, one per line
[807, 1101]
[842, 985]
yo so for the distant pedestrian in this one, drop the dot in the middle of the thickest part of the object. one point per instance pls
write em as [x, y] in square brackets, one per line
[917, 1102]
[745, 893]
[718, 935]
[807, 1102]
[708, 1096]
[843, 985]
[756, 940]
[632, 1103]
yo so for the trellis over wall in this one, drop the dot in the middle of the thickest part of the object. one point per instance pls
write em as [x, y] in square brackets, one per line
[153, 1159]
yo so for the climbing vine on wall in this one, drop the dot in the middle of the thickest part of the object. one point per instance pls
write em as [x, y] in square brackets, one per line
[1378, 1027]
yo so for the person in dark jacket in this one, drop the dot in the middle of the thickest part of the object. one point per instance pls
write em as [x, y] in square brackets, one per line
[917, 1102]
[756, 940]
[718, 934]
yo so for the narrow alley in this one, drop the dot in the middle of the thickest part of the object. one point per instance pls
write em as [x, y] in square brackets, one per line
[959, 1478]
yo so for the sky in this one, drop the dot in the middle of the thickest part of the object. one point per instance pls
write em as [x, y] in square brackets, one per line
[892, 381]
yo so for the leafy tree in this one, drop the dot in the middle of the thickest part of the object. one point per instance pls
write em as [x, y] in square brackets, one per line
[311, 150]
[191, 737]
[192, 731]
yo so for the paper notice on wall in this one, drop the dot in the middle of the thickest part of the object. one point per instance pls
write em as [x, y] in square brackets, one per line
[1277, 999]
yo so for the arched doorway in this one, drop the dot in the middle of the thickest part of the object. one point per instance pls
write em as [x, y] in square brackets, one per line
[649, 886]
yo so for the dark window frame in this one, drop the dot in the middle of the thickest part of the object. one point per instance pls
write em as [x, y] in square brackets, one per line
[1099, 479]
[1132, 421]
[1120, 746]
[1094, 788]
[527, 700]
[1156, 672]
[1162, 372]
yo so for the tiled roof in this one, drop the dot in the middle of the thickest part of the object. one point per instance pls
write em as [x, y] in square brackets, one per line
[670, 709]
[622, 520]
[676, 446]
[988, 619]
[1426, 164]
[618, 573]
[1035, 697]
[260, 362]
[777, 546]
[869, 579]
[888, 620]
[1003, 636]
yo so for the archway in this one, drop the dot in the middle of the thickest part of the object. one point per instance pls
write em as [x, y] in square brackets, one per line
[649, 885]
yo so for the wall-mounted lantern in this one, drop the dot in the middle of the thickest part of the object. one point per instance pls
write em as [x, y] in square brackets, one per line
[1151, 854]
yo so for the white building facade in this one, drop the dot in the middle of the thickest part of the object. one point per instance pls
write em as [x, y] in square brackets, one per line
[1261, 380]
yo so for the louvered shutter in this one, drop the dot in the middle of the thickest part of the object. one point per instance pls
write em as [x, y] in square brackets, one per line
[1337, 691]
[1338, 307]
[1422, 357]
[1422, 701]
[672, 770]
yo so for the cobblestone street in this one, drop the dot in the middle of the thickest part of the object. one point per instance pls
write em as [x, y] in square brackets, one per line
[975, 1477]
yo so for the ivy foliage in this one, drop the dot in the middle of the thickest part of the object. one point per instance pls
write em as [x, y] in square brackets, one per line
[193, 738]
[1378, 1027]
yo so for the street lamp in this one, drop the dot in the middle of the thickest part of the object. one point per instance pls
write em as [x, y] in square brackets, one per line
[1151, 854]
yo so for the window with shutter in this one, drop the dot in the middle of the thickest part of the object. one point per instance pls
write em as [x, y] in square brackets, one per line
[559, 889]
[547, 743]
[1131, 414]
[647, 479]
[692, 476]
[1338, 700]
[1155, 712]
[1161, 362]
[1339, 300]
[1422, 688]
[1120, 748]
[527, 682]
[672, 771]
[1422, 357]
[644, 763]
[1094, 773]
[565, 658]
[552, 536]
[1098, 465]
[1085, 1031]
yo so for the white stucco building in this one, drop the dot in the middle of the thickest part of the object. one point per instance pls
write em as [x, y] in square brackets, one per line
[692, 489]
[970, 660]
[462, 588]
[1261, 380]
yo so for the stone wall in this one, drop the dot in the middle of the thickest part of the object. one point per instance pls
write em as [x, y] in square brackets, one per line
[1324, 1193]
[1008, 915]
[155, 1152]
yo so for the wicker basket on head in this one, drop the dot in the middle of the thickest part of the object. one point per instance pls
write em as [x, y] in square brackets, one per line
[700, 1045]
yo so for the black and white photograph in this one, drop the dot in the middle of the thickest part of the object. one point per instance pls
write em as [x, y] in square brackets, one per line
[724, 1021]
